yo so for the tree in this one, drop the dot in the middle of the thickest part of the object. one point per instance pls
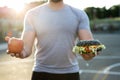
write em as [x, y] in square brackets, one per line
[115, 11]
[90, 12]
[101, 13]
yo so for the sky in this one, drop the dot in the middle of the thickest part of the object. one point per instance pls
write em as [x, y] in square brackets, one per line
[19, 4]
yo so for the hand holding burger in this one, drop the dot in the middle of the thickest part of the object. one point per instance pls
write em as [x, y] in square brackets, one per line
[88, 48]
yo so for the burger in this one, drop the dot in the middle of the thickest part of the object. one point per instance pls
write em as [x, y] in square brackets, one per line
[88, 47]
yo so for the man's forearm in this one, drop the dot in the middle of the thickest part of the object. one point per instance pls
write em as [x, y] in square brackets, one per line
[85, 35]
[25, 53]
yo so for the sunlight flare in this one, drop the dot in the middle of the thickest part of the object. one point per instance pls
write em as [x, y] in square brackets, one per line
[18, 6]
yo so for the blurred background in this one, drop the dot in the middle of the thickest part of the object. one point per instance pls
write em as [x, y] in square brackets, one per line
[104, 18]
[12, 14]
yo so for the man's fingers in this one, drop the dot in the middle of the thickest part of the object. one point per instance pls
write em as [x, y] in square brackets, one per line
[12, 54]
[86, 56]
[7, 51]
[17, 55]
[92, 55]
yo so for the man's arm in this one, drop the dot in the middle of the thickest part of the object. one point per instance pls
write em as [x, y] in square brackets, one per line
[28, 39]
[28, 35]
[84, 34]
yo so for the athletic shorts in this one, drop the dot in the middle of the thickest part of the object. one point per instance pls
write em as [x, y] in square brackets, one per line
[52, 76]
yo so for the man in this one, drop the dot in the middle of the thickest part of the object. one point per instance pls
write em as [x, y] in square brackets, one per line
[55, 26]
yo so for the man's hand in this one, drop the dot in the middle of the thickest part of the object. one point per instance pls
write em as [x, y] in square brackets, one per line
[15, 47]
[21, 55]
[89, 56]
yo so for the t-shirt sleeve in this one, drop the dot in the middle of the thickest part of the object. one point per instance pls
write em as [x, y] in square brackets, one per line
[83, 21]
[28, 23]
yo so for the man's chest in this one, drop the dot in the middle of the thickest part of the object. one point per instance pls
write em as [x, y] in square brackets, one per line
[56, 22]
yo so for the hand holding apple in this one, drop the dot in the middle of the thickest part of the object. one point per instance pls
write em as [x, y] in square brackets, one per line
[15, 45]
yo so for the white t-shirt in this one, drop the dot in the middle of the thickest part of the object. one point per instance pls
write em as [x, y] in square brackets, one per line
[56, 32]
